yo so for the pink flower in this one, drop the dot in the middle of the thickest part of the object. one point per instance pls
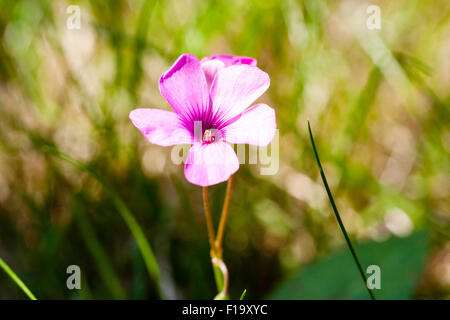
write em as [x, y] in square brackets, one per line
[210, 99]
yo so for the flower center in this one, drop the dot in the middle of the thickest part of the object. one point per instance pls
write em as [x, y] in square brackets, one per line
[211, 135]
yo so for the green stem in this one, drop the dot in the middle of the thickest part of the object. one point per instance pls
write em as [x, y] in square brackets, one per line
[219, 266]
[223, 219]
[16, 279]
[338, 217]
[209, 222]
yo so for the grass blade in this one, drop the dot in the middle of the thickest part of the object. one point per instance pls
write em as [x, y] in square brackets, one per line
[16, 279]
[338, 217]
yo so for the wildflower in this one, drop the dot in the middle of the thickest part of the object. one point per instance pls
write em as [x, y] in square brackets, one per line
[210, 99]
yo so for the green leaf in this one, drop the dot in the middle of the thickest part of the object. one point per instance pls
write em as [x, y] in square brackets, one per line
[401, 261]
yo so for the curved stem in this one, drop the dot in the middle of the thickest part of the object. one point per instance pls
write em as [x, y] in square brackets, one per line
[338, 217]
[209, 223]
[16, 279]
[223, 218]
[217, 262]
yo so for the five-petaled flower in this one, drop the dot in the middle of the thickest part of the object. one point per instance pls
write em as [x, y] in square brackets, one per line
[210, 99]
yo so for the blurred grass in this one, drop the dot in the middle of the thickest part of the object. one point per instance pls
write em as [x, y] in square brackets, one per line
[132, 224]
[378, 102]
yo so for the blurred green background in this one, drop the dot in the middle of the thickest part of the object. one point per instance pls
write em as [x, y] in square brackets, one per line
[378, 102]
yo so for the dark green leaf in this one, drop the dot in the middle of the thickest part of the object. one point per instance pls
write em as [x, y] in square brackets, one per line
[401, 261]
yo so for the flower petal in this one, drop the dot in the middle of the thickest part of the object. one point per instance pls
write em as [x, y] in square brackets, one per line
[255, 125]
[185, 89]
[210, 68]
[229, 60]
[209, 164]
[234, 88]
[160, 127]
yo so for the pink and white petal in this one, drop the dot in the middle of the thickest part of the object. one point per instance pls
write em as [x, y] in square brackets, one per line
[234, 88]
[209, 164]
[185, 89]
[229, 60]
[255, 126]
[161, 127]
[210, 68]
